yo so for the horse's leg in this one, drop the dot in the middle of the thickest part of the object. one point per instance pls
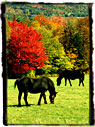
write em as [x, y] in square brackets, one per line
[44, 96]
[65, 81]
[40, 98]
[70, 82]
[82, 82]
[25, 98]
[19, 98]
[79, 82]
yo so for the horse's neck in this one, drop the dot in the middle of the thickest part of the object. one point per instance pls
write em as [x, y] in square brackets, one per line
[52, 90]
[60, 77]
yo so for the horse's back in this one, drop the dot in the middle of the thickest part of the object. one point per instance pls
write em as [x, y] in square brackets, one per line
[73, 74]
[41, 84]
[38, 85]
[35, 85]
[46, 82]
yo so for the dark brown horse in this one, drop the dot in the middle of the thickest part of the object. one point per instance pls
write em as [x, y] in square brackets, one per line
[71, 74]
[35, 85]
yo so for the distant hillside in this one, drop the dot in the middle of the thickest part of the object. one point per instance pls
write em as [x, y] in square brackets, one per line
[21, 11]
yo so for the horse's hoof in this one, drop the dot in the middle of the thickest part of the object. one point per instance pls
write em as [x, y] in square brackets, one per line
[27, 104]
[39, 104]
[19, 105]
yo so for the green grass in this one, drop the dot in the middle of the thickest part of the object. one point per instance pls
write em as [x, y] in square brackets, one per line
[71, 105]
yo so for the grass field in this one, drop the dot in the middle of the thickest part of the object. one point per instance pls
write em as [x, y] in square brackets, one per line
[71, 105]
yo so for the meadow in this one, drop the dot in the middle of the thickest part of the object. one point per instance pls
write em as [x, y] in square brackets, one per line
[71, 105]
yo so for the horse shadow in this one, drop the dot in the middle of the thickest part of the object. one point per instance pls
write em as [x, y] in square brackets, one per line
[20, 106]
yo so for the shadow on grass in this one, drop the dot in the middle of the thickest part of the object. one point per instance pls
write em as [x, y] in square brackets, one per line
[20, 106]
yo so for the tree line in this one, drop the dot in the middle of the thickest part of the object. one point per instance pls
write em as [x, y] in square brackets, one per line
[47, 44]
[48, 10]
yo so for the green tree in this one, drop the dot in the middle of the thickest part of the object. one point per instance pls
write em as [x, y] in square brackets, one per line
[76, 36]
[50, 39]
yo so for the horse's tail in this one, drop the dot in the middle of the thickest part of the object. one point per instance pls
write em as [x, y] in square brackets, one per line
[16, 83]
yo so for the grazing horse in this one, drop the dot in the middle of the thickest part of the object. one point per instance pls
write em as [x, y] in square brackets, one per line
[71, 74]
[35, 85]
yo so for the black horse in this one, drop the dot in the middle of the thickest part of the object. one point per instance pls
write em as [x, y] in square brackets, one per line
[35, 85]
[71, 74]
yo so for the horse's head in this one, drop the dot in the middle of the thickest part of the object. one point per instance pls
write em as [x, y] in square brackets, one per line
[52, 97]
[58, 82]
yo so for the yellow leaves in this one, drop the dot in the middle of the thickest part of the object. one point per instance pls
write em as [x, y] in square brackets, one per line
[73, 61]
[47, 61]
[8, 31]
[52, 26]
[67, 65]
[73, 57]
[48, 66]
[71, 54]
[32, 74]
[35, 24]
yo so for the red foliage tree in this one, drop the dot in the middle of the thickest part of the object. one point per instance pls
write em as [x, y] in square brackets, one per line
[25, 50]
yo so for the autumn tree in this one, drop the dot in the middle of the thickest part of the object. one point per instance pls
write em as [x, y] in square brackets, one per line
[58, 20]
[25, 51]
[84, 32]
[68, 36]
[41, 19]
[76, 36]
[51, 32]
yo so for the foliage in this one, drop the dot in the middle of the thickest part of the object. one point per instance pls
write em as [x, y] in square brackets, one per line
[25, 51]
[84, 32]
[73, 58]
[58, 20]
[31, 74]
[30, 10]
[41, 19]
[64, 32]
[51, 32]
[8, 32]
[76, 38]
